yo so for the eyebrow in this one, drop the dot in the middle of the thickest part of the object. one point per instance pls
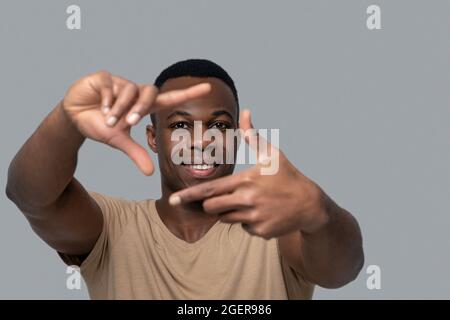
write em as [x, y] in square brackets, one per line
[221, 112]
[184, 113]
[178, 113]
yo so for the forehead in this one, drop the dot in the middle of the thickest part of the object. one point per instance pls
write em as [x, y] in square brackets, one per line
[220, 96]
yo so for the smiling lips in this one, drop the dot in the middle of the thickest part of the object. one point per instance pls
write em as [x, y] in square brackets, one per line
[200, 170]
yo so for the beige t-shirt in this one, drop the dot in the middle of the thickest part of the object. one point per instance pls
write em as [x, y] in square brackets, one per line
[138, 257]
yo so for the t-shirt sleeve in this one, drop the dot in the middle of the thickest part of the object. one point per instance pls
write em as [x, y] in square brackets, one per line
[297, 286]
[116, 214]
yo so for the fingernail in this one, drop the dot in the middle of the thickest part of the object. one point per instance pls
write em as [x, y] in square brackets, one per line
[133, 118]
[174, 200]
[265, 160]
[105, 110]
[111, 121]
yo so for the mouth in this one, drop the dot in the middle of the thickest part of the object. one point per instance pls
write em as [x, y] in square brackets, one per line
[200, 170]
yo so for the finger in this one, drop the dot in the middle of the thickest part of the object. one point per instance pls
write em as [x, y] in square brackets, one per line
[134, 151]
[124, 101]
[263, 148]
[102, 82]
[147, 95]
[240, 216]
[107, 98]
[175, 97]
[256, 229]
[106, 92]
[118, 84]
[206, 190]
[245, 123]
[225, 203]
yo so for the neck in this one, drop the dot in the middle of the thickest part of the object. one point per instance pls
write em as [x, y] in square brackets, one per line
[187, 221]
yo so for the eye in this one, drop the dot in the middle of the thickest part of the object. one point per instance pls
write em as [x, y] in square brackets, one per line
[220, 125]
[179, 125]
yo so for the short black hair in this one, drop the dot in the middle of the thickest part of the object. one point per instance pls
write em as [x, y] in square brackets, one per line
[201, 68]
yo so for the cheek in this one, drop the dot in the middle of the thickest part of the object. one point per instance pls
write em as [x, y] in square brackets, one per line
[164, 148]
[230, 146]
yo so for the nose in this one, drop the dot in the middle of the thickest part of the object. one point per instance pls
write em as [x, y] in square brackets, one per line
[203, 146]
[197, 139]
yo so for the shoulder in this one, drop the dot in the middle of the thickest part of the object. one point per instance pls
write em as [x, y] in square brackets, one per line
[109, 201]
[119, 211]
[118, 204]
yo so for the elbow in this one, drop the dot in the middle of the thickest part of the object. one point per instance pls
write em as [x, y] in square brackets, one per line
[9, 193]
[8, 189]
[336, 282]
[12, 195]
[338, 279]
[11, 185]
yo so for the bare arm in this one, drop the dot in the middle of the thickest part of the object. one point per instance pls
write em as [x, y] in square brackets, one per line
[332, 255]
[41, 184]
[319, 239]
[40, 177]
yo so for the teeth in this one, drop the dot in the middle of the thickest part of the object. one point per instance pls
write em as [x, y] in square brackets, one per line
[202, 166]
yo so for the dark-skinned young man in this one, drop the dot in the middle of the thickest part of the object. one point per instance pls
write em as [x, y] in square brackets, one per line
[211, 235]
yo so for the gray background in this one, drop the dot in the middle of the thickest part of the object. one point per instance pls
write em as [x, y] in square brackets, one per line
[363, 113]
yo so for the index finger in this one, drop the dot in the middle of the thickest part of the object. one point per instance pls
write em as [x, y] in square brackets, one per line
[175, 97]
[206, 189]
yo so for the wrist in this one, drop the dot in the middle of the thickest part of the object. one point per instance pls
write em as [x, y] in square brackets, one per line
[68, 123]
[320, 213]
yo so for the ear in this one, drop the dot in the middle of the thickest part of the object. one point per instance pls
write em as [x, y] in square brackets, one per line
[151, 137]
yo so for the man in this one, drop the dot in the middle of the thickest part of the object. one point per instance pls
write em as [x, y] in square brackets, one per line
[211, 234]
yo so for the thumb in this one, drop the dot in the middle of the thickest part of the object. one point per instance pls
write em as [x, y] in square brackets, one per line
[252, 137]
[135, 151]
[245, 122]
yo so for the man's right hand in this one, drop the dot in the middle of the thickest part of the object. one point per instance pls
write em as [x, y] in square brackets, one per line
[103, 107]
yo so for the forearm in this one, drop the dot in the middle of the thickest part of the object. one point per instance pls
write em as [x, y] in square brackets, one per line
[333, 255]
[45, 164]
